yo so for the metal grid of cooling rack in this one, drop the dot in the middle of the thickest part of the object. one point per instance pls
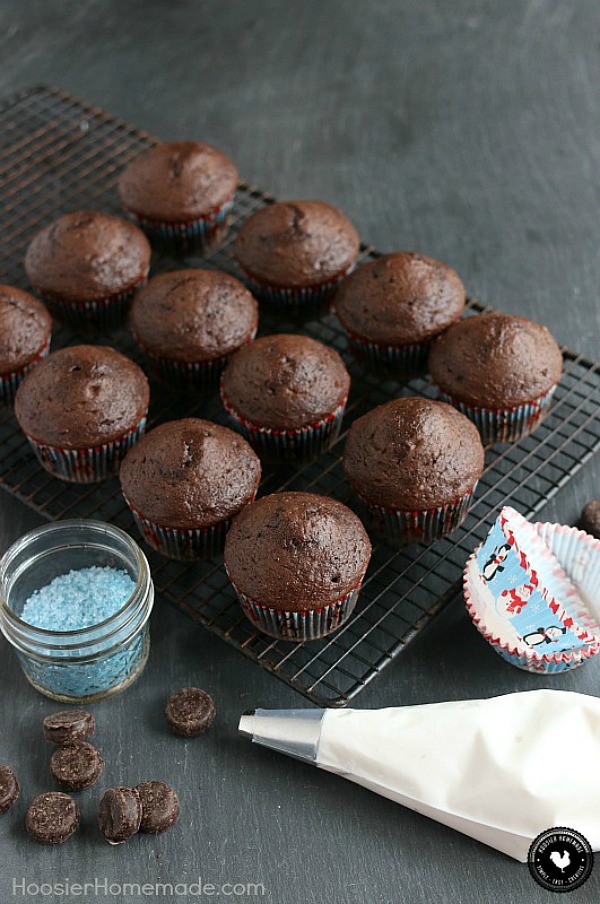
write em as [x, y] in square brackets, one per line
[58, 153]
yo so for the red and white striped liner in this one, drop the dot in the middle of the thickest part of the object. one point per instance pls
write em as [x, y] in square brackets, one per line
[421, 526]
[504, 425]
[571, 550]
[10, 382]
[297, 443]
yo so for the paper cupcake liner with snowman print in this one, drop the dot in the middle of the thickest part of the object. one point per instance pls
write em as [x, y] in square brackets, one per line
[503, 425]
[10, 382]
[199, 233]
[531, 591]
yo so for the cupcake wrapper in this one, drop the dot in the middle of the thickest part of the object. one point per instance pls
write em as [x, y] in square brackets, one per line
[503, 425]
[105, 313]
[10, 382]
[310, 624]
[87, 465]
[402, 358]
[296, 297]
[529, 590]
[201, 375]
[179, 543]
[200, 232]
[424, 526]
[297, 444]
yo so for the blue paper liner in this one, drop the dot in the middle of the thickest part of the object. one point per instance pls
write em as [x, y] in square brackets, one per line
[295, 297]
[198, 233]
[420, 526]
[89, 465]
[522, 589]
[104, 313]
[183, 544]
[504, 425]
[309, 624]
[10, 382]
[302, 443]
[200, 375]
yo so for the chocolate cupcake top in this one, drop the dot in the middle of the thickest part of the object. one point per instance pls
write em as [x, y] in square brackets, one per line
[413, 454]
[296, 551]
[285, 381]
[400, 298]
[25, 328]
[193, 315]
[178, 181]
[495, 360]
[87, 255]
[190, 473]
[296, 243]
[82, 396]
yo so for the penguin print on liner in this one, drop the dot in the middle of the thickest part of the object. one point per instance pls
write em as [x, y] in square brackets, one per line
[544, 635]
[495, 564]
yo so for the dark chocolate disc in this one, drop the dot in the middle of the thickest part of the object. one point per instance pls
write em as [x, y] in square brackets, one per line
[52, 818]
[76, 766]
[69, 725]
[9, 788]
[190, 712]
[120, 814]
[160, 807]
[590, 518]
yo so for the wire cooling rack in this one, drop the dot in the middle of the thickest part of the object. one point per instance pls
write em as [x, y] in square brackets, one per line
[57, 154]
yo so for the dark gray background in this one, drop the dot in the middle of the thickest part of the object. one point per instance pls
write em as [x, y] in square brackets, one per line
[466, 130]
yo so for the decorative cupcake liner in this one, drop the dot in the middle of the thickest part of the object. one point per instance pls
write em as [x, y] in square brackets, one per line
[300, 443]
[184, 544]
[10, 382]
[399, 358]
[309, 624]
[89, 465]
[503, 425]
[422, 526]
[200, 232]
[554, 626]
[201, 375]
[296, 297]
[104, 313]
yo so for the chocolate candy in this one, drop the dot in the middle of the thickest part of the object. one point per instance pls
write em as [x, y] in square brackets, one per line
[120, 814]
[160, 807]
[590, 518]
[190, 712]
[52, 818]
[69, 725]
[9, 788]
[76, 766]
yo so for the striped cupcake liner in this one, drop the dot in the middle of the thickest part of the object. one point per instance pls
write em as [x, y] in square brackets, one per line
[302, 443]
[198, 233]
[309, 624]
[576, 558]
[397, 358]
[296, 297]
[184, 544]
[422, 526]
[89, 465]
[104, 313]
[10, 382]
[201, 375]
[505, 425]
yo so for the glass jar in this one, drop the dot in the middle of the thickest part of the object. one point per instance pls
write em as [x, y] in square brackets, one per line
[92, 662]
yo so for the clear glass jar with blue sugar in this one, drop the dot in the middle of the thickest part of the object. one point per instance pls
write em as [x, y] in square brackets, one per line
[75, 599]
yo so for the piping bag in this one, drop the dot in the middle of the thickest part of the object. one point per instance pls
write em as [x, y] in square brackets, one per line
[501, 770]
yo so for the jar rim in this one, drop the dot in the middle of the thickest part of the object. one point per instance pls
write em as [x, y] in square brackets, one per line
[142, 582]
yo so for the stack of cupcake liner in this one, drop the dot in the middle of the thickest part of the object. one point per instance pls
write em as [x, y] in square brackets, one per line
[532, 591]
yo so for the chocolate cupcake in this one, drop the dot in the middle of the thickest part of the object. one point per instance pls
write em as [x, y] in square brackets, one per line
[286, 394]
[297, 561]
[87, 265]
[25, 331]
[180, 191]
[296, 252]
[392, 307]
[189, 321]
[81, 409]
[500, 370]
[184, 482]
[415, 463]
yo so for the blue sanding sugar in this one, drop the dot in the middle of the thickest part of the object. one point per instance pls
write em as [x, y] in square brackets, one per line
[78, 599]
